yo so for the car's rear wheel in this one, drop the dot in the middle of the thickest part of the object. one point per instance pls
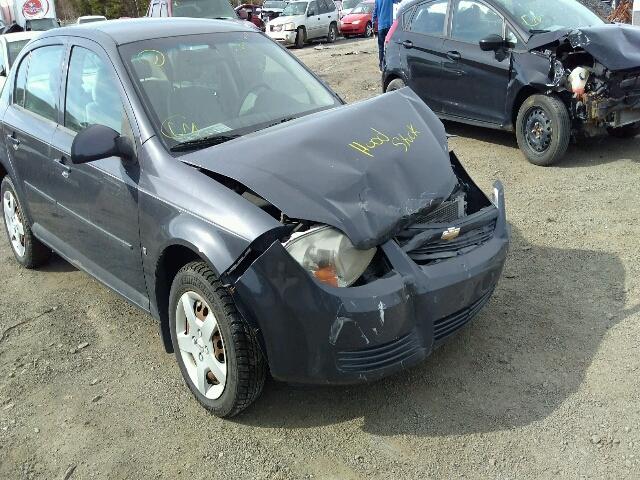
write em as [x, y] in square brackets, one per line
[395, 84]
[368, 30]
[628, 131]
[218, 356]
[333, 33]
[301, 37]
[543, 129]
[27, 249]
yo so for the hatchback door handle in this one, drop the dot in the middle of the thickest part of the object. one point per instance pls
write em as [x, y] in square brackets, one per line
[15, 143]
[407, 44]
[453, 55]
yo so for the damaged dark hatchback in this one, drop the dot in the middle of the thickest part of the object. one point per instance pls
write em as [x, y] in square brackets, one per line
[209, 178]
[549, 70]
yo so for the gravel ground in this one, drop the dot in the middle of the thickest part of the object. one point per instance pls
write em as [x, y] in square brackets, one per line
[543, 384]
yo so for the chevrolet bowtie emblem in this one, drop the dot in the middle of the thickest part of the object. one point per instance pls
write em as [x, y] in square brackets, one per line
[450, 233]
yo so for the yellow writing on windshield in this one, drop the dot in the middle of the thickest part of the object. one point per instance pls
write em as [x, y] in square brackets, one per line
[178, 127]
[403, 141]
[155, 57]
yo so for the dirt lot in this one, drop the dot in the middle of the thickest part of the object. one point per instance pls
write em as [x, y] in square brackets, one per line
[543, 384]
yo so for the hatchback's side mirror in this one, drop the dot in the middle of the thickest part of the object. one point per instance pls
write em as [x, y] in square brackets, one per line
[492, 43]
[97, 142]
[311, 13]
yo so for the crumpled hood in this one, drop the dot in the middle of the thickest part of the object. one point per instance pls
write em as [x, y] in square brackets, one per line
[364, 168]
[616, 46]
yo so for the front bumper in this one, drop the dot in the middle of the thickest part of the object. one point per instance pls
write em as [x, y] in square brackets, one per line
[351, 29]
[313, 333]
[283, 36]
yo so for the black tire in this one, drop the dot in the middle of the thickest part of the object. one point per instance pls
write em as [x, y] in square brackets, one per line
[35, 252]
[301, 37]
[333, 33]
[246, 367]
[628, 131]
[543, 129]
[368, 30]
[395, 84]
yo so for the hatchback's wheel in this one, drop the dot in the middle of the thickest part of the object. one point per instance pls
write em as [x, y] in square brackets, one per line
[368, 30]
[333, 33]
[628, 131]
[395, 84]
[218, 356]
[300, 37]
[543, 129]
[27, 249]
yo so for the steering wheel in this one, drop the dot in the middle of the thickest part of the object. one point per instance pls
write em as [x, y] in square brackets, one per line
[255, 90]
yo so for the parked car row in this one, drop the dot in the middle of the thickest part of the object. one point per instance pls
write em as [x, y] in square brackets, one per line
[208, 177]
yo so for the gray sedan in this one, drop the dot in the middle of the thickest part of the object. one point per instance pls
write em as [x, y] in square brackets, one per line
[206, 176]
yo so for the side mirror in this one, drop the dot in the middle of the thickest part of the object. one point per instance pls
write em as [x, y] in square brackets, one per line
[311, 13]
[492, 43]
[242, 13]
[97, 142]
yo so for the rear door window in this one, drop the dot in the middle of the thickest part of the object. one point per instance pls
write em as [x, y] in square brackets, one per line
[429, 18]
[42, 84]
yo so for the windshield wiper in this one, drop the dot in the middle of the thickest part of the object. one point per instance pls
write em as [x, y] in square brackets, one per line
[534, 31]
[202, 142]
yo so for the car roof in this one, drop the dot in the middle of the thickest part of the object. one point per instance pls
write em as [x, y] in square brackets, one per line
[136, 29]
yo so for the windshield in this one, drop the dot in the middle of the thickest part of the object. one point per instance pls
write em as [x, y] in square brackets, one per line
[203, 9]
[349, 4]
[548, 15]
[363, 8]
[14, 48]
[220, 85]
[295, 8]
[41, 24]
[273, 5]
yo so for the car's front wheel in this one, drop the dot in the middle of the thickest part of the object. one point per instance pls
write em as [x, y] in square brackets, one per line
[301, 37]
[627, 131]
[333, 33]
[218, 356]
[368, 30]
[27, 249]
[543, 129]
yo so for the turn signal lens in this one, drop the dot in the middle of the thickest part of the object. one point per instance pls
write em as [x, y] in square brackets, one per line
[329, 256]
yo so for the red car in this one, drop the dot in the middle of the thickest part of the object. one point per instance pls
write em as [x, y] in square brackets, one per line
[359, 22]
[250, 13]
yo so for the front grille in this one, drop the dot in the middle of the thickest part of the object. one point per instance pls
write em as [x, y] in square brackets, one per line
[446, 212]
[442, 249]
[449, 325]
[369, 359]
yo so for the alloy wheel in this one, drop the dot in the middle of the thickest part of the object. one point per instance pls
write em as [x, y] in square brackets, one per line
[538, 130]
[14, 224]
[201, 345]
[369, 30]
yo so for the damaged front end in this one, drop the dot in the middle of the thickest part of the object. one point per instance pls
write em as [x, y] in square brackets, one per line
[420, 287]
[597, 72]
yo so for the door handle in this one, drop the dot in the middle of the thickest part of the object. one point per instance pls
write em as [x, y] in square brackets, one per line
[15, 143]
[453, 55]
[407, 44]
[65, 168]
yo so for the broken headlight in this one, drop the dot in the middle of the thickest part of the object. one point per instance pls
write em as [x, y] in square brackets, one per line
[329, 256]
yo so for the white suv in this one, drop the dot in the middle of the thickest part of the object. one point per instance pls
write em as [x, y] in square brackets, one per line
[304, 21]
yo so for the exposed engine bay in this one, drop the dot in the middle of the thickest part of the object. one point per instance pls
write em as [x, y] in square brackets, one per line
[597, 73]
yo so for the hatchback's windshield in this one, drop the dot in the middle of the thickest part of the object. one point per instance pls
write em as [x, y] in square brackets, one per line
[14, 48]
[273, 5]
[295, 8]
[350, 3]
[220, 85]
[548, 15]
[203, 9]
[363, 8]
